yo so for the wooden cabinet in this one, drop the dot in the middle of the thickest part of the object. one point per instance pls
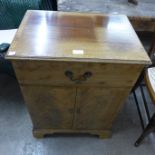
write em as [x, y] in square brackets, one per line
[75, 70]
[58, 102]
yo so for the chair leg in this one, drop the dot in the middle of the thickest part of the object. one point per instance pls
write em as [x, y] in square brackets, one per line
[145, 103]
[149, 128]
[138, 109]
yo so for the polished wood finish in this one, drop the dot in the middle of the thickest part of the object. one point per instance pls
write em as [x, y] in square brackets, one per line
[55, 36]
[75, 69]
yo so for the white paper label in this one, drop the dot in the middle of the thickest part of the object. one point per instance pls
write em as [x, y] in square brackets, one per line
[78, 52]
[11, 53]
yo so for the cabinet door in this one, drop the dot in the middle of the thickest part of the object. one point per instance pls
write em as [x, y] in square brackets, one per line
[50, 107]
[97, 107]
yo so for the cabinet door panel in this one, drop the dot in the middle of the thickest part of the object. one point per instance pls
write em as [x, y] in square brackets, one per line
[97, 107]
[50, 107]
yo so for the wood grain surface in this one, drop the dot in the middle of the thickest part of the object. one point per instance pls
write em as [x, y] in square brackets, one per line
[53, 73]
[50, 44]
[57, 35]
[50, 107]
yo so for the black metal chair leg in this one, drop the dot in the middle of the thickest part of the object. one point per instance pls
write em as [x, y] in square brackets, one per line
[138, 109]
[145, 103]
[150, 128]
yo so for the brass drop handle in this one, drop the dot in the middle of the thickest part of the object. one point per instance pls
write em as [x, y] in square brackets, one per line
[82, 78]
[87, 75]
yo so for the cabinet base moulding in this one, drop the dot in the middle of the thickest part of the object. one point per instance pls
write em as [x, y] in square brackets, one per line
[40, 133]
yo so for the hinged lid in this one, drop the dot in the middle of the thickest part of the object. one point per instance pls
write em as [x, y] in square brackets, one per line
[49, 35]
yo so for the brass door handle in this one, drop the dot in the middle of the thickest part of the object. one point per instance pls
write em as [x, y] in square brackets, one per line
[82, 78]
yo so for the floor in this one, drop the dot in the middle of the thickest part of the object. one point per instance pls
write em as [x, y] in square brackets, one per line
[15, 124]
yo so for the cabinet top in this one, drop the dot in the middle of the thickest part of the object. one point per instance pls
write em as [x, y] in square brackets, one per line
[62, 36]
